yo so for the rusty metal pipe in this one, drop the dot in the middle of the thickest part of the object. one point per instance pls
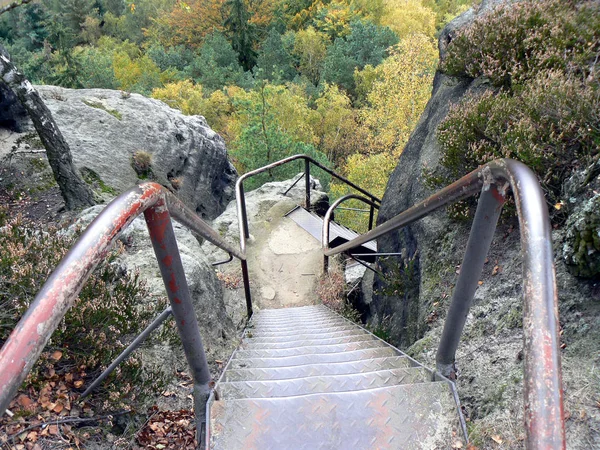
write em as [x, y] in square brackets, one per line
[28, 339]
[165, 247]
[26, 342]
[307, 184]
[130, 349]
[488, 211]
[543, 382]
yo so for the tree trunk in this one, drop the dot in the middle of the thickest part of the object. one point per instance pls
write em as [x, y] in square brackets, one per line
[73, 189]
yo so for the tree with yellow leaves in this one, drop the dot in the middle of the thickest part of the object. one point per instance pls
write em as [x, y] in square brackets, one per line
[399, 93]
[406, 17]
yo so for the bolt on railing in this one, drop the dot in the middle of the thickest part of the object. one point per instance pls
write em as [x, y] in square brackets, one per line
[543, 385]
[26, 342]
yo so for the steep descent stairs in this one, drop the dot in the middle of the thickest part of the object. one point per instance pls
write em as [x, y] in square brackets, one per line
[338, 234]
[305, 378]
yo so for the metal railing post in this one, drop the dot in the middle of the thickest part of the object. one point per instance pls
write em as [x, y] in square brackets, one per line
[247, 294]
[482, 232]
[171, 269]
[307, 183]
[242, 212]
[130, 349]
[371, 216]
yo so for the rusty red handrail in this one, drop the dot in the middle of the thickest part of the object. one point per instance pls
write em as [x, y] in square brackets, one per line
[543, 392]
[26, 342]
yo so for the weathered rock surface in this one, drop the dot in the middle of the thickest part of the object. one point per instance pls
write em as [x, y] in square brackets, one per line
[490, 354]
[216, 327]
[12, 114]
[105, 128]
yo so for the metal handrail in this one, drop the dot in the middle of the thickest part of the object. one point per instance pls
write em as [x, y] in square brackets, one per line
[241, 200]
[27, 340]
[542, 376]
[327, 221]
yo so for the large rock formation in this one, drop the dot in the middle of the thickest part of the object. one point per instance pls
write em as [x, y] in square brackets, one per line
[412, 299]
[105, 128]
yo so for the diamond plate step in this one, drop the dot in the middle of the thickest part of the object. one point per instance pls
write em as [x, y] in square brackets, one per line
[297, 324]
[287, 361]
[308, 350]
[301, 337]
[419, 416]
[311, 370]
[322, 384]
[307, 330]
[257, 344]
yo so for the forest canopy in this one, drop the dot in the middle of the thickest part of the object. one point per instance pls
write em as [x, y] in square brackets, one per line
[343, 80]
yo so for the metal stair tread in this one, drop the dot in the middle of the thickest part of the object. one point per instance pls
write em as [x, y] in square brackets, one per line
[417, 416]
[248, 344]
[299, 328]
[322, 383]
[301, 337]
[305, 370]
[338, 234]
[341, 327]
[307, 350]
[287, 361]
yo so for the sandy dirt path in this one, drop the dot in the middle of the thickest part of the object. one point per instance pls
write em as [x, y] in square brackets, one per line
[285, 263]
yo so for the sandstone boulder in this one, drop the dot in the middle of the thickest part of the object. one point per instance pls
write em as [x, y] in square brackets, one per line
[105, 128]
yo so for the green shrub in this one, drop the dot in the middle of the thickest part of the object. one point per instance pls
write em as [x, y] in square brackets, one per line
[108, 313]
[511, 44]
[543, 109]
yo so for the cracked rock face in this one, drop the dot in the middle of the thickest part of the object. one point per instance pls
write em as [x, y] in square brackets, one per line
[581, 247]
[104, 128]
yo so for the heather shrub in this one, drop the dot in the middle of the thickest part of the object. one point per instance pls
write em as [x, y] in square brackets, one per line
[108, 313]
[552, 126]
[542, 60]
[512, 43]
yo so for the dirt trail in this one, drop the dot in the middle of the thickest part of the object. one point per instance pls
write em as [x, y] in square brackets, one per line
[285, 263]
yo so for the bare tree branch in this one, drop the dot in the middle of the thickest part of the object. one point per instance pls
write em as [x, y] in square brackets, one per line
[13, 5]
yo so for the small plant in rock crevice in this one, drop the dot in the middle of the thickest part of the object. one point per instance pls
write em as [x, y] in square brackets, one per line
[141, 161]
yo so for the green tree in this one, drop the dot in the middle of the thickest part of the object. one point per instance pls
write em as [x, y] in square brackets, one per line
[274, 61]
[217, 65]
[241, 32]
[310, 46]
[367, 44]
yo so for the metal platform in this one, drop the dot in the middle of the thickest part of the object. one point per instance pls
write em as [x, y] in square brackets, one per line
[305, 378]
[338, 234]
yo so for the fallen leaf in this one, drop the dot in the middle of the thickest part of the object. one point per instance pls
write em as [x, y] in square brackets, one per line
[78, 383]
[496, 270]
[457, 444]
[24, 401]
[497, 439]
[58, 408]
[56, 355]
[53, 430]
[480, 282]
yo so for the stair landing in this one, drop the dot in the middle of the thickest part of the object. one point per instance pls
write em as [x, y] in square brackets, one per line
[305, 378]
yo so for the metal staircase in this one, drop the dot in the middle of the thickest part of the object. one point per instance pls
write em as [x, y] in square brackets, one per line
[306, 378]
